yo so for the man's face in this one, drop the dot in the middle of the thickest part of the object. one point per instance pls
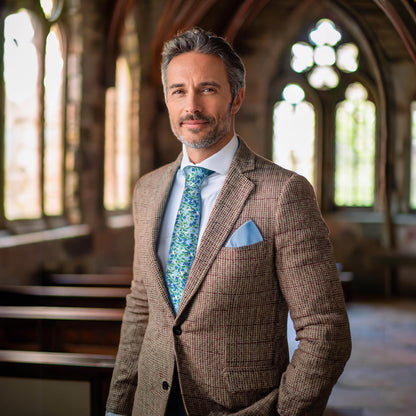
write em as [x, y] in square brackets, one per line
[199, 100]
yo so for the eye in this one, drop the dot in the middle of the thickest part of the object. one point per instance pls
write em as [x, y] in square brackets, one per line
[208, 90]
[178, 92]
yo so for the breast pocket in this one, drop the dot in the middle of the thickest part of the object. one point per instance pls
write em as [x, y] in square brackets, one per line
[243, 269]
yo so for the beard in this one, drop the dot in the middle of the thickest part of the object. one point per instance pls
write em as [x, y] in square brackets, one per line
[216, 132]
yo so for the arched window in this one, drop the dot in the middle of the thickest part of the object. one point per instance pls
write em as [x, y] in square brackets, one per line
[413, 157]
[22, 141]
[53, 131]
[33, 114]
[118, 140]
[294, 133]
[326, 63]
[355, 149]
[121, 132]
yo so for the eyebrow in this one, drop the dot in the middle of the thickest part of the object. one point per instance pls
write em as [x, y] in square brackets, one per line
[202, 84]
[210, 83]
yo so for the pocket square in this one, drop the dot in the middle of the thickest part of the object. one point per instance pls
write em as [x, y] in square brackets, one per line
[245, 235]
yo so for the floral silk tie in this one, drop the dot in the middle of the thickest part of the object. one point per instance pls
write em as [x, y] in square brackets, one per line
[185, 234]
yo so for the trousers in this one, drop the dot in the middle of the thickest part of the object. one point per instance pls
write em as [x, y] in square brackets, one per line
[175, 405]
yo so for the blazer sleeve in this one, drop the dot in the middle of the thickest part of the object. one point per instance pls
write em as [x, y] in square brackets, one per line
[124, 380]
[310, 283]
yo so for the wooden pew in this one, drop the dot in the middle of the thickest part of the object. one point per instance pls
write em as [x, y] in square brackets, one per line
[68, 296]
[119, 270]
[96, 369]
[65, 329]
[92, 280]
[392, 260]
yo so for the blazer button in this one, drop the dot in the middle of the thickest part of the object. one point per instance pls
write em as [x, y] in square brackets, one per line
[165, 385]
[177, 330]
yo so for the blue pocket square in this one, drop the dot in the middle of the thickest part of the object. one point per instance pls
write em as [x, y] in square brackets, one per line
[245, 235]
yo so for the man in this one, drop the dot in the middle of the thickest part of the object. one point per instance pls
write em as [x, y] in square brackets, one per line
[219, 347]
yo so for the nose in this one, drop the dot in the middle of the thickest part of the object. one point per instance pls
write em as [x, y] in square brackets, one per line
[193, 103]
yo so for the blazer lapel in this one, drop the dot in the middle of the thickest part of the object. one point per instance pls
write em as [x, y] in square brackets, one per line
[157, 207]
[224, 215]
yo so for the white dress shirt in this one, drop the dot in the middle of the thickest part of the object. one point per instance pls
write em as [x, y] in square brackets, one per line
[219, 163]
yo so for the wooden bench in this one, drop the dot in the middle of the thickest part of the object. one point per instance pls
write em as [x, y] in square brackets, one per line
[47, 328]
[69, 296]
[119, 270]
[392, 260]
[92, 280]
[95, 369]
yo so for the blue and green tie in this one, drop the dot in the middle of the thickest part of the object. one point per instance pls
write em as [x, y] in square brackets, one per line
[185, 234]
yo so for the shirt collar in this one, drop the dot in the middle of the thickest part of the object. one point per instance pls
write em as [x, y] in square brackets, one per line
[219, 162]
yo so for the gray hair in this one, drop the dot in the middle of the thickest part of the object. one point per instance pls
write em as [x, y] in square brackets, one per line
[201, 41]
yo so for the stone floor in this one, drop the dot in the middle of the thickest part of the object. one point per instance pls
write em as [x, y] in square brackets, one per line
[380, 377]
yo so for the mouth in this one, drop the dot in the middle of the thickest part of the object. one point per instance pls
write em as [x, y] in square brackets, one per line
[195, 122]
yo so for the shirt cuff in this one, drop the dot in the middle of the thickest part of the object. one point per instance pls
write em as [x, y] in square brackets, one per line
[112, 414]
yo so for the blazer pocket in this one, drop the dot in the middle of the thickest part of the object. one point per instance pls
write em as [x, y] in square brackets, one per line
[239, 270]
[246, 235]
[250, 379]
[245, 259]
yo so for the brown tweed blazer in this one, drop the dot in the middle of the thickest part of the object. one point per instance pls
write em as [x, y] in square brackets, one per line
[229, 337]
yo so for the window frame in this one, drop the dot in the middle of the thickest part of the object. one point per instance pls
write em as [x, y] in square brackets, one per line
[126, 34]
[26, 225]
[368, 85]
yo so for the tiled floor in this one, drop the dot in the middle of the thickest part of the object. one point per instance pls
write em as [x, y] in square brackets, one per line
[380, 377]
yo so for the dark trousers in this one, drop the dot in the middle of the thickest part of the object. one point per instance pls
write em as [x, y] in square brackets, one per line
[175, 405]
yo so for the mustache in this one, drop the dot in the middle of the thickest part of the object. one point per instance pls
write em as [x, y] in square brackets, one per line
[194, 117]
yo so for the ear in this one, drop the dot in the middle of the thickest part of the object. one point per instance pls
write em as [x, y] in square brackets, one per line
[238, 100]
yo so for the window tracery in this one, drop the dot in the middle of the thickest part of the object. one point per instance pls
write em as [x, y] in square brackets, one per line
[321, 62]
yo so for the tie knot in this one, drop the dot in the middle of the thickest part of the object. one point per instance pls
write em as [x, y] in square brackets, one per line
[195, 175]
